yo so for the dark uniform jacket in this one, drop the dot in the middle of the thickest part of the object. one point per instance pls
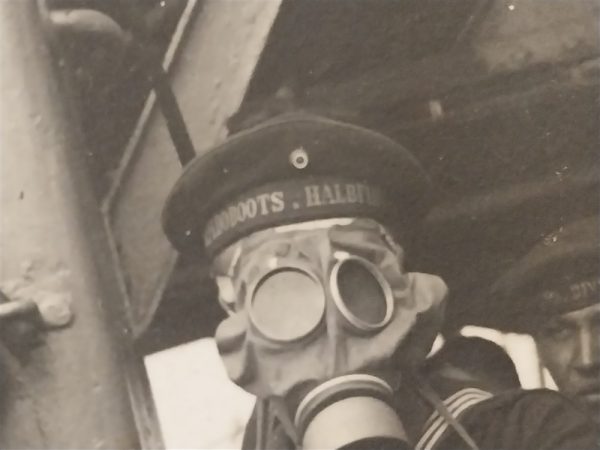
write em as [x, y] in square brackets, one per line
[521, 419]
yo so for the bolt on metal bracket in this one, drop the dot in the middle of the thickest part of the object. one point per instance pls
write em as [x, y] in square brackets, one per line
[50, 311]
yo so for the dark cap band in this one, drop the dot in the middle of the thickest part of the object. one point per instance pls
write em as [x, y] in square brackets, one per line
[570, 297]
[284, 202]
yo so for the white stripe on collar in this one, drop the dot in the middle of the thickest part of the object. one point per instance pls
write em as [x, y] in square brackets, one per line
[456, 404]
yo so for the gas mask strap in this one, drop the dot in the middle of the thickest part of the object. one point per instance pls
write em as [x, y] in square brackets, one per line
[431, 397]
[262, 408]
[281, 412]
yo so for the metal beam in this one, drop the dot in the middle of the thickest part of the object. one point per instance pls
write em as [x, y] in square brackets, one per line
[210, 77]
[514, 38]
[70, 392]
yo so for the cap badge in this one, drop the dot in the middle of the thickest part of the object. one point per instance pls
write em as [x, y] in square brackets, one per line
[299, 158]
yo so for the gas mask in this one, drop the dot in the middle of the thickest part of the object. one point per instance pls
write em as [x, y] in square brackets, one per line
[322, 321]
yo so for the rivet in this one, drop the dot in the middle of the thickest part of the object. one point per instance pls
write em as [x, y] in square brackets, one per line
[55, 310]
[436, 109]
[299, 158]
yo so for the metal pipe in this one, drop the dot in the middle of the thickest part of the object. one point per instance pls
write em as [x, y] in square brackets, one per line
[12, 310]
[71, 392]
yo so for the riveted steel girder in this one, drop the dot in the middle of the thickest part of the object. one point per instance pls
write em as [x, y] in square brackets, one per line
[215, 62]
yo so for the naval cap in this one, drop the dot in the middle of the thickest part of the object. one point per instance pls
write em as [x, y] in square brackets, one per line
[293, 168]
[561, 273]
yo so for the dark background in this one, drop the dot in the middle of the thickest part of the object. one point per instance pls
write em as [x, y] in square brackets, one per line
[510, 139]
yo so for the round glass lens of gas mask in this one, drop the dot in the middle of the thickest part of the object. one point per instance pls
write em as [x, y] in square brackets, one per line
[362, 294]
[287, 304]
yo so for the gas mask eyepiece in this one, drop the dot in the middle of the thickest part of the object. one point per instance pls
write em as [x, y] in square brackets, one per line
[361, 293]
[286, 304]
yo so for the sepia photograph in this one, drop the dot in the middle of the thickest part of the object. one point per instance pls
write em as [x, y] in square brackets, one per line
[300, 224]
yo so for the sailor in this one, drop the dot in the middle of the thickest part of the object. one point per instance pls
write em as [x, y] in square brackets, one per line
[305, 222]
[553, 293]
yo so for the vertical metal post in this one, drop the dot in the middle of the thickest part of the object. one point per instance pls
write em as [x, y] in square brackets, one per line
[71, 392]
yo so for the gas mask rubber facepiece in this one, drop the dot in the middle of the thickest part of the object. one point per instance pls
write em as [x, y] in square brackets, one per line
[322, 320]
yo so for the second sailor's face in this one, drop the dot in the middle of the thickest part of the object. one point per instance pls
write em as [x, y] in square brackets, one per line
[569, 346]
